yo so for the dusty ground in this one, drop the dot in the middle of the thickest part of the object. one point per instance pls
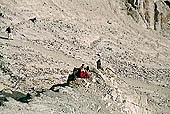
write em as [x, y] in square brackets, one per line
[69, 33]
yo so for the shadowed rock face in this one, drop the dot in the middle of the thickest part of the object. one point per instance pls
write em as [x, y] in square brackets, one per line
[167, 3]
[2, 100]
[153, 14]
[18, 96]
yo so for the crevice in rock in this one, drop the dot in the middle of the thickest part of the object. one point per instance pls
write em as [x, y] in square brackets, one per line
[136, 2]
[167, 3]
[133, 3]
[156, 14]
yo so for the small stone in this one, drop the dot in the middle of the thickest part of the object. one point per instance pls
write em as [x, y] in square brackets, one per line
[124, 101]
[109, 21]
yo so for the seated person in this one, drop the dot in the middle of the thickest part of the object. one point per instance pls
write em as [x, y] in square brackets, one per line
[81, 72]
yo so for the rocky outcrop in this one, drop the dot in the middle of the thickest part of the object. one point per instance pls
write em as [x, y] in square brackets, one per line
[103, 93]
[153, 14]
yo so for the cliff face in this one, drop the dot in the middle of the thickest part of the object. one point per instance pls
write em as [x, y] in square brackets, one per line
[154, 14]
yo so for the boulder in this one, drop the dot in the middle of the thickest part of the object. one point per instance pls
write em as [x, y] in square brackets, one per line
[2, 100]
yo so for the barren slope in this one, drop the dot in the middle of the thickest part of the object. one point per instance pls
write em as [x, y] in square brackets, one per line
[68, 33]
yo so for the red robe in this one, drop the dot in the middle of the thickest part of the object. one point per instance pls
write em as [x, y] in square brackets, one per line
[84, 75]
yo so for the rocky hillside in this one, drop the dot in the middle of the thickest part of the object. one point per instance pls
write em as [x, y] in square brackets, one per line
[51, 37]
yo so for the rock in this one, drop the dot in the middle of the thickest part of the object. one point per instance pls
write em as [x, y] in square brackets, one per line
[2, 100]
[33, 19]
[109, 21]
[1, 15]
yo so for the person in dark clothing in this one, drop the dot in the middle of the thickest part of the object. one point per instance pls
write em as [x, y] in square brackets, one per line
[87, 68]
[10, 35]
[99, 64]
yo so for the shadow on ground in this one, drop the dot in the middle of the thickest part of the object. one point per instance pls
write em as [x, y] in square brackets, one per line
[3, 38]
[71, 77]
[18, 96]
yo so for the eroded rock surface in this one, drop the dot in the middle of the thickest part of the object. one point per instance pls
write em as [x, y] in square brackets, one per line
[63, 34]
[153, 14]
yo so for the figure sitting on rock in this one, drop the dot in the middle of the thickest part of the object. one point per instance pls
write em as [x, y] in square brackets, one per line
[82, 72]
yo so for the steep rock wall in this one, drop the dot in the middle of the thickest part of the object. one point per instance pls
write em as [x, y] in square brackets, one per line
[153, 14]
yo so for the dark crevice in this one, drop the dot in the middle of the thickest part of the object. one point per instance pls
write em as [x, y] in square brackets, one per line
[136, 3]
[167, 3]
[132, 3]
[156, 14]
